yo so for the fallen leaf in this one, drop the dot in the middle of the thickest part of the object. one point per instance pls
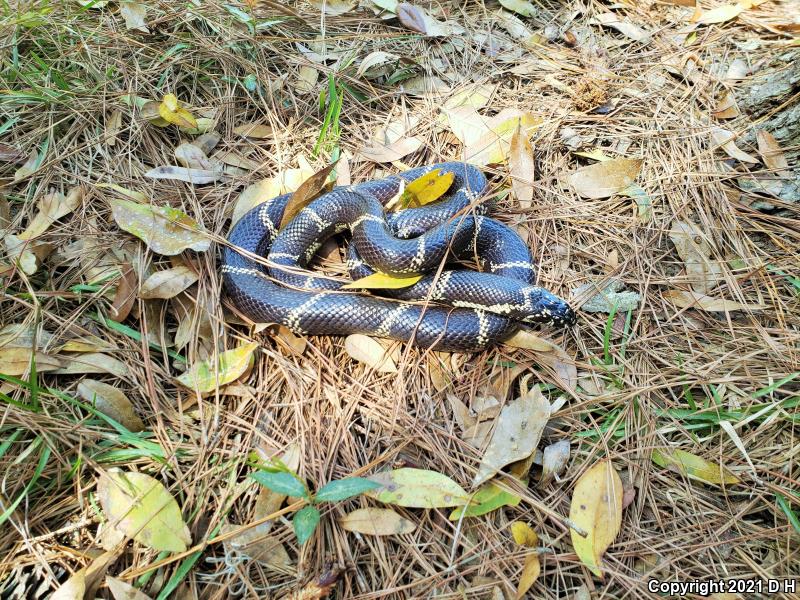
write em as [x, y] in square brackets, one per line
[164, 229]
[720, 14]
[417, 488]
[207, 375]
[92, 362]
[693, 466]
[426, 189]
[303, 196]
[295, 344]
[17, 361]
[517, 432]
[726, 108]
[644, 203]
[375, 59]
[606, 178]
[84, 582]
[333, 7]
[171, 111]
[594, 154]
[473, 96]
[494, 146]
[372, 353]
[113, 127]
[771, 152]
[195, 176]
[554, 460]
[52, 207]
[723, 138]
[523, 534]
[684, 299]
[110, 401]
[596, 507]
[168, 283]
[390, 152]
[134, 14]
[307, 78]
[610, 19]
[529, 575]
[382, 281]
[525, 338]
[234, 159]
[521, 169]
[489, 497]
[123, 191]
[419, 20]
[693, 247]
[257, 131]
[377, 521]
[125, 295]
[258, 545]
[121, 590]
[192, 157]
[141, 508]
[521, 7]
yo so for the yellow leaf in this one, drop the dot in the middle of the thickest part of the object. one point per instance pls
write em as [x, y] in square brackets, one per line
[426, 189]
[371, 352]
[524, 535]
[693, 466]
[205, 376]
[530, 573]
[377, 521]
[141, 507]
[596, 154]
[382, 281]
[596, 508]
[605, 178]
[171, 111]
[417, 488]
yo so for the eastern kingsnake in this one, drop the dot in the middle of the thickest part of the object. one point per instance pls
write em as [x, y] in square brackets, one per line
[488, 306]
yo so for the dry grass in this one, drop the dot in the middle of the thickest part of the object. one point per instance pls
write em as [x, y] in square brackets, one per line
[665, 380]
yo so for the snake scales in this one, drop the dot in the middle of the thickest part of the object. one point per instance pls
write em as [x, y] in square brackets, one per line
[485, 307]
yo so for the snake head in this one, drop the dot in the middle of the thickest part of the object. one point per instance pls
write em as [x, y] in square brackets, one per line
[549, 308]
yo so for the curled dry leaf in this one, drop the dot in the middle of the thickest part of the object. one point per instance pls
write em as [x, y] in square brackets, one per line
[606, 178]
[524, 535]
[125, 296]
[417, 488]
[695, 251]
[554, 460]
[525, 338]
[720, 14]
[684, 299]
[84, 583]
[207, 375]
[168, 283]
[52, 207]
[22, 253]
[516, 435]
[693, 466]
[382, 281]
[310, 189]
[726, 108]
[141, 508]
[596, 507]
[164, 229]
[257, 544]
[377, 521]
[307, 78]
[521, 169]
[372, 353]
[110, 401]
[724, 139]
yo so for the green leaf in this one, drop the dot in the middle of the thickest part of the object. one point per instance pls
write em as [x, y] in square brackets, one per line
[344, 489]
[282, 482]
[787, 509]
[305, 522]
[489, 497]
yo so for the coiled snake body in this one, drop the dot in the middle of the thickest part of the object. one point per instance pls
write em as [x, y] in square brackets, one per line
[487, 307]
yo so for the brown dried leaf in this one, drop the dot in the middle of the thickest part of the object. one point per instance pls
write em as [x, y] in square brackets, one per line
[28, 168]
[125, 296]
[521, 169]
[257, 131]
[554, 460]
[372, 353]
[110, 401]
[310, 189]
[606, 178]
[52, 207]
[684, 299]
[124, 591]
[771, 152]
[16, 361]
[613, 20]
[377, 521]
[92, 362]
[691, 243]
[724, 139]
[134, 14]
[726, 108]
[193, 157]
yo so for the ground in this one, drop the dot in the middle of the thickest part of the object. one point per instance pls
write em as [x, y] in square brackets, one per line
[672, 369]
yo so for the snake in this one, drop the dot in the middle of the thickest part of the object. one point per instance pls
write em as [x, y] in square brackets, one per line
[449, 309]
